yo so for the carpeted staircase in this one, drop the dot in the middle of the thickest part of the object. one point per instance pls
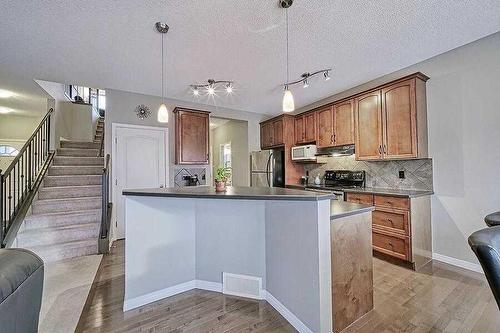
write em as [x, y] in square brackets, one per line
[66, 216]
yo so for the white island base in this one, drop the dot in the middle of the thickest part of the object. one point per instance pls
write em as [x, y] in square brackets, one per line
[175, 244]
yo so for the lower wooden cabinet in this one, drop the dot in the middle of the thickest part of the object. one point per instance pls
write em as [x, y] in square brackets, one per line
[401, 226]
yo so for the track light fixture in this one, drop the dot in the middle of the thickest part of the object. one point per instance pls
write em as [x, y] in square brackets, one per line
[211, 87]
[304, 78]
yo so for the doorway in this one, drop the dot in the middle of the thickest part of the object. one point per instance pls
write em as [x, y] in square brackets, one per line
[140, 160]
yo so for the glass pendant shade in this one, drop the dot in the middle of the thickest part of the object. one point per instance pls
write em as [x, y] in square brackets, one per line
[163, 114]
[288, 103]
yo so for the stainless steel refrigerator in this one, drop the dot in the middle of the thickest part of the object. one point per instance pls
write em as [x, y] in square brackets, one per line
[267, 168]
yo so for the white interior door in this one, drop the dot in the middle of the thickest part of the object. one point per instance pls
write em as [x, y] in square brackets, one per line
[140, 161]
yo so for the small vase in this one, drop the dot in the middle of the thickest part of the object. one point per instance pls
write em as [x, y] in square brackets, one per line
[220, 186]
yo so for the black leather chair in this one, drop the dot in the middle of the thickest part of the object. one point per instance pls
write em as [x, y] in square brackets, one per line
[486, 245]
[21, 286]
[492, 219]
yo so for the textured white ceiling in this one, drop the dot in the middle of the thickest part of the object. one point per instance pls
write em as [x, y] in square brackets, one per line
[112, 44]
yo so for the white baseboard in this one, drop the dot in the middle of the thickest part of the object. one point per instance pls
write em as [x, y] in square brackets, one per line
[211, 286]
[157, 295]
[208, 285]
[287, 314]
[457, 262]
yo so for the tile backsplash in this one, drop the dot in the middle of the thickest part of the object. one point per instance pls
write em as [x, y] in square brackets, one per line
[381, 174]
[179, 172]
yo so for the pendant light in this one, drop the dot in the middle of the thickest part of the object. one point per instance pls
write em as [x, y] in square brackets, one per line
[288, 102]
[162, 110]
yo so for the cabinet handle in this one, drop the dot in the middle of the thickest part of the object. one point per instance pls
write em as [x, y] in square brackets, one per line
[385, 149]
[380, 150]
[334, 137]
[331, 138]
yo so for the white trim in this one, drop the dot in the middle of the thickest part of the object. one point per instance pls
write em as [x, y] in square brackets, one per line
[225, 275]
[457, 262]
[216, 287]
[287, 314]
[157, 295]
[114, 127]
[208, 285]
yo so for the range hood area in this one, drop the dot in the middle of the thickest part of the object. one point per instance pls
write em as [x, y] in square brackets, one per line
[335, 151]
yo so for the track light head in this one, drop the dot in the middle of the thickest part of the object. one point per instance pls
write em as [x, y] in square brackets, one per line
[305, 83]
[326, 75]
[196, 92]
[229, 88]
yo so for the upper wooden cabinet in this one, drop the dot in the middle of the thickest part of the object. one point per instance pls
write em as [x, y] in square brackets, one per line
[191, 136]
[343, 123]
[272, 133]
[391, 123]
[305, 128]
[368, 115]
[325, 127]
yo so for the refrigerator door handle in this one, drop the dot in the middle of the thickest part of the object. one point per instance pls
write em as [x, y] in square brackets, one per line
[267, 169]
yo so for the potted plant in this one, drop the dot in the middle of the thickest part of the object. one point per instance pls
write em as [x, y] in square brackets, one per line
[220, 179]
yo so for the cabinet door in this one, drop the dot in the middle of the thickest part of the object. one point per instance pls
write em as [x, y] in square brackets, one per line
[299, 129]
[192, 137]
[343, 119]
[400, 120]
[310, 127]
[277, 137]
[265, 135]
[368, 118]
[325, 127]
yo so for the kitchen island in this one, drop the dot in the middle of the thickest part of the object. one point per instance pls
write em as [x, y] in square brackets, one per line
[307, 255]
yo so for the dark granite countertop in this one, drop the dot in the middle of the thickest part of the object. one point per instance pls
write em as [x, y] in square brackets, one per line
[244, 193]
[340, 209]
[369, 190]
[392, 192]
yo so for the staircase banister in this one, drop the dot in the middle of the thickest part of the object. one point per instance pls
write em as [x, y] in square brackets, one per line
[28, 142]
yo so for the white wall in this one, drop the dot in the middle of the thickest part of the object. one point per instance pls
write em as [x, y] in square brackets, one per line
[463, 99]
[120, 106]
[234, 132]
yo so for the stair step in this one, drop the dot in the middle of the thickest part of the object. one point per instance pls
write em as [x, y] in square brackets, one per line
[78, 152]
[60, 251]
[72, 180]
[65, 205]
[60, 192]
[79, 144]
[61, 234]
[61, 170]
[68, 160]
[35, 221]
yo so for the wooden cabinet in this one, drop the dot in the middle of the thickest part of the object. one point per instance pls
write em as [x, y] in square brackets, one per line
[325, 127]
[368, 115]
[391, 122]
[305, 128]
[343, 123]
[271, 133]
[191, 136]
[401, 227]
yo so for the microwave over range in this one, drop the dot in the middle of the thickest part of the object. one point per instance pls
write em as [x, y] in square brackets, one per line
[303, 153]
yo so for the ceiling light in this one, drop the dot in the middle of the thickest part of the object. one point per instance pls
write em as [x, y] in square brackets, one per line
[162, 110]
[5, 110]
[288, 102]
[6, 93]
[326, 75]
[229, 88]
[211, 90]
[196, 92]
[305, 83]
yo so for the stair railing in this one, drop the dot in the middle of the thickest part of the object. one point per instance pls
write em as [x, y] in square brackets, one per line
[20, 181]
[106, 208]
[100, 153]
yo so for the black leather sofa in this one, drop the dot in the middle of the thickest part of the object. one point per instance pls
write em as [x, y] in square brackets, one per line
[21, 287]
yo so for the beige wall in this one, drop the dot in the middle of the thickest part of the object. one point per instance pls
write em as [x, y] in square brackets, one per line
[17, 127]
[463, 98]
[236, 133]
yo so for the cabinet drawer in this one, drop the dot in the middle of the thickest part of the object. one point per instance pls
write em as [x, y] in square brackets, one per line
[392, 202]
[392, 221]
[396, 246]
[366, 199]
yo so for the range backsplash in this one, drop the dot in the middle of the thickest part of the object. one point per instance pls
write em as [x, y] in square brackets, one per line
[179, 172]
[381, 174]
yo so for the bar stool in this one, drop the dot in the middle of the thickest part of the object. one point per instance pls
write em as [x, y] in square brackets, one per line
[486, 245]
[492, 219]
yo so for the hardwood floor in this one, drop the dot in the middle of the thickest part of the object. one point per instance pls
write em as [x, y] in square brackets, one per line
[440, 298]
